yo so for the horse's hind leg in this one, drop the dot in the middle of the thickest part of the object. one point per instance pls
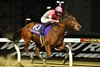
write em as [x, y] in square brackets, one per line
[48, 50]
[26, 50]
[26, 46]
[37, 49]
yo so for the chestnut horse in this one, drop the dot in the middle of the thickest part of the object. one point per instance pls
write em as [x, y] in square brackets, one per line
[54, 38]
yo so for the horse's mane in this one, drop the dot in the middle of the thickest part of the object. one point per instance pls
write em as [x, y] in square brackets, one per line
[65, 14]
[62, 17]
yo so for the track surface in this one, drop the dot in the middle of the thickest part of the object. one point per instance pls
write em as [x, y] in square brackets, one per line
[50, 63]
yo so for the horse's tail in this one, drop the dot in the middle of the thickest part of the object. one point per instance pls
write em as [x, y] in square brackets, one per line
[12, 35]
[17, 36]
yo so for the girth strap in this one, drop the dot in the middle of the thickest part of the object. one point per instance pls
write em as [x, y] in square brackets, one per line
[42, 38]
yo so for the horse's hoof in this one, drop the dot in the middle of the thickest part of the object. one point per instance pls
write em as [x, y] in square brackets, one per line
[31, 61]
[18, 64]
[44, 61]
[64, 61]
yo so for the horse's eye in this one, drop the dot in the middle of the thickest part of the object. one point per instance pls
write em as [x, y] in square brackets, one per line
[73, 18]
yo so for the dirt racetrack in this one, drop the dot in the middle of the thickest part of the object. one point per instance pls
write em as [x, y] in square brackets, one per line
[9, 62]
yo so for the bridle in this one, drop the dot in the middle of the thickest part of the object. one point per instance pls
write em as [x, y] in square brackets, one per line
[63, 16]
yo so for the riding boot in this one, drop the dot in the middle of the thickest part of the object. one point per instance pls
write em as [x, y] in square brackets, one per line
[45, 25]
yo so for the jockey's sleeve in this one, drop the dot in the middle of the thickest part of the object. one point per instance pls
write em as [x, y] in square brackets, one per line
[51, 14]
[50, 17]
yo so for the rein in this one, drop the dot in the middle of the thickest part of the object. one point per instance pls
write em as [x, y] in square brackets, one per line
[61, 24]
[61, 19]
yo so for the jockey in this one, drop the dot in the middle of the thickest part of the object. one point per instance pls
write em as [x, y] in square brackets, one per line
[50, 17]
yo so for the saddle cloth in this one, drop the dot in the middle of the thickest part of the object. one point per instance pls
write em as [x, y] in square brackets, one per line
[38, 27]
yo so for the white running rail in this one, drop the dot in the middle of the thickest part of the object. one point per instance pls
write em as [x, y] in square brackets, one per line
[65, 40]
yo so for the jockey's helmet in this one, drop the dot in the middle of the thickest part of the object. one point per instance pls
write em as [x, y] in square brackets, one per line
[59, 9]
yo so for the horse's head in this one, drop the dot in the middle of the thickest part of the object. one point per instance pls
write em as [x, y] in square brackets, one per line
[70, 21]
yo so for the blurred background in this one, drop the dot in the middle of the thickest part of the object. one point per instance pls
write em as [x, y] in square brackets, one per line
[14, 14]
[87, 12]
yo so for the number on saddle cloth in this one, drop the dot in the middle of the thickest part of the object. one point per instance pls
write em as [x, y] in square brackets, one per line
[38, 27]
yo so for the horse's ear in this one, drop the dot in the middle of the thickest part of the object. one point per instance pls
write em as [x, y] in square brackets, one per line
[66, 10]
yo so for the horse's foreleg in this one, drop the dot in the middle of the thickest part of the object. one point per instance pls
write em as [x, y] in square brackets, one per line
[63, 47]
[66, 56]
[68, 51]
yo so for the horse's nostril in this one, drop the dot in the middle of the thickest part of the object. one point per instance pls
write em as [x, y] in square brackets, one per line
[79, 26]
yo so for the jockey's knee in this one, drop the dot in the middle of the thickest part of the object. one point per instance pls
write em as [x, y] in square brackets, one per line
[45, 20]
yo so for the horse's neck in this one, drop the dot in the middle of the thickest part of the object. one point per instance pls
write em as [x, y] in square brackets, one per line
[60, 29]
[63, 28]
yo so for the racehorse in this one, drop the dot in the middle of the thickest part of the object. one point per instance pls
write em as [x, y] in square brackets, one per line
[53, 39]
